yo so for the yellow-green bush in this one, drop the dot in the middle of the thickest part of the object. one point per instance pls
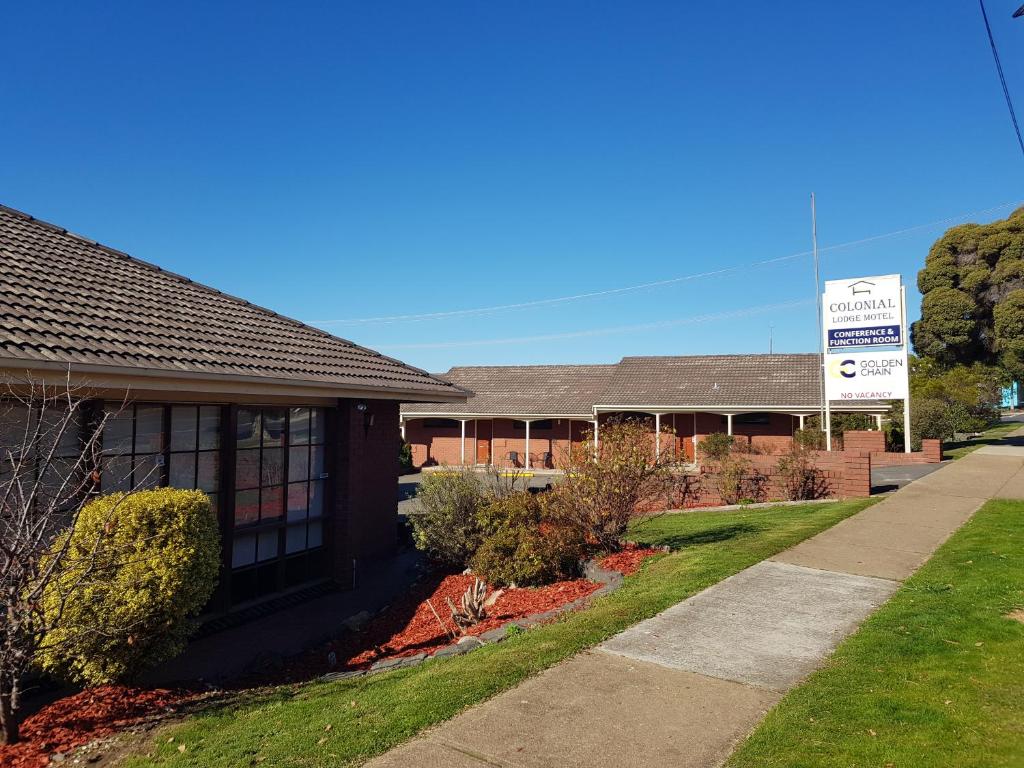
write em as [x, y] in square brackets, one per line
[136, 571]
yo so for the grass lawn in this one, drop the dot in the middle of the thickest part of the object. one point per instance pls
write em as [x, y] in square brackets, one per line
[934, 678]
[343, 723]
[988, 437]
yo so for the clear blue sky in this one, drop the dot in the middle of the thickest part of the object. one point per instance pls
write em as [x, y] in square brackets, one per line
[348, 160]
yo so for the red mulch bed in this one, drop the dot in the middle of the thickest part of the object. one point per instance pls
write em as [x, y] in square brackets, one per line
[406, 628]
[409, 626]
[76, 720]
[629, 560]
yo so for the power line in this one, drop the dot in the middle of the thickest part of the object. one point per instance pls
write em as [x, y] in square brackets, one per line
[1002, 77]
[742, 312]
[388, 319]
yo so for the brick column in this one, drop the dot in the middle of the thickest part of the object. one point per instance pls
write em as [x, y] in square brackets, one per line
[932, 450]
[863, 440]
[856, 483]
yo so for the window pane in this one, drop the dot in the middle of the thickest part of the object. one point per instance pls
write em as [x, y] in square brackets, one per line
[148, 471]
[298, 463]
[182, 472]
[316, 498]
[317, 428]
[317, 460]
[247, 507]
[209, 427]
[268, 545]
[14, 428]
[117, 432]
[273, 426]
[183, 428]
[295, 539]
[316, 534]
[247, 468]
[272, 503]
[298, 501]
[65, 429]
[299, 427]
[248, 432]
[243, 551]
[209, 471]
[273, 466]
[149, 428]
[117, 474]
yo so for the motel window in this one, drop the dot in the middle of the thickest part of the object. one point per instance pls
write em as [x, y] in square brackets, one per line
[750, 418]
[30, 434]
[280, 482]
[441, 423]
[535, 426]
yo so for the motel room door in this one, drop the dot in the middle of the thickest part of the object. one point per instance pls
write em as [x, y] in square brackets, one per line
[484, 433]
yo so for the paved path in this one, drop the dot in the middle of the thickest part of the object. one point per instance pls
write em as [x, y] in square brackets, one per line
[683, 688]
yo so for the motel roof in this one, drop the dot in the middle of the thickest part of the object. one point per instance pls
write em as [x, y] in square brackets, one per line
[66, 300]
[726, 383]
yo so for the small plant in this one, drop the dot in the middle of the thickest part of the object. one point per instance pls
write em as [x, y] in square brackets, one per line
[405, 458]
[800, 477]
[139, 568]
[716, 446]
[809, 439]
[739, 482]
[524, 545]
[472, 608]
[448, 528]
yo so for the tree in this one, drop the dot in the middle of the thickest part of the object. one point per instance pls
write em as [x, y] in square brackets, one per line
[48, 464]
[603, 490]
[972, 310]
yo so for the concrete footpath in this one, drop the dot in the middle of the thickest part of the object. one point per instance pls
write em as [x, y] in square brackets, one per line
[684, 687]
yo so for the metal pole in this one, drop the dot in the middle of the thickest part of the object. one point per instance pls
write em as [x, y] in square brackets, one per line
[825, 416]
[906, 400]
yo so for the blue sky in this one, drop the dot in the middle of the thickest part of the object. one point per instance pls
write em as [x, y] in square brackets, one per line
[338, 161]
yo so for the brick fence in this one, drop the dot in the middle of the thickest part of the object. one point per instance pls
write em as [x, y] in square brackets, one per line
[874, 442]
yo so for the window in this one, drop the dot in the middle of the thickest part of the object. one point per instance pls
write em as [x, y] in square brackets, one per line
[41, 446]
[535, 426]
[280, 478]
[441, 423]
[151, 445]
[750, 418]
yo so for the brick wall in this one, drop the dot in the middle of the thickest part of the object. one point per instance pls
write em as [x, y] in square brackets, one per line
[365, 466]
[874, 442]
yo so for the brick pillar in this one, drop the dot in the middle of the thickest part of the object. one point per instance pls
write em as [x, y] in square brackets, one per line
[932, 450]
[856, 483]
[365, 525]
[863, 440]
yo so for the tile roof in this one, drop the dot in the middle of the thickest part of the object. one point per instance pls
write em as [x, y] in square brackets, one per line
[65, 299]
[723, 380]
[526, 390]
[754, 382]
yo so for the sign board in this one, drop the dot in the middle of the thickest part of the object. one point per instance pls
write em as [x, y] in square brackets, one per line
[863, 313]
[866, 375]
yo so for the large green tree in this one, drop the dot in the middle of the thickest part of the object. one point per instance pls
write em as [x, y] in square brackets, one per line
[973, 289]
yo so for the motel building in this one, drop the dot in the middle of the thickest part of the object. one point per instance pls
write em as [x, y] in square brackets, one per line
[528, 416]
[292, 433]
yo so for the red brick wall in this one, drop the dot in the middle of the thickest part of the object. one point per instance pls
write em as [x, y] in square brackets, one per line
[930, 453]
[365, 470]
[863, 440]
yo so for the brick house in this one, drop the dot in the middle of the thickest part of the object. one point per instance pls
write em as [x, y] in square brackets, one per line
[293, 432]
[527, 416]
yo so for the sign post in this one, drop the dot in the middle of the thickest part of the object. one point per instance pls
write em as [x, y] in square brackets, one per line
[865, 338]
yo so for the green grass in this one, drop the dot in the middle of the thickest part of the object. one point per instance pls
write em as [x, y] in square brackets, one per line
[289, 725]
[988, 437]
[934, 678]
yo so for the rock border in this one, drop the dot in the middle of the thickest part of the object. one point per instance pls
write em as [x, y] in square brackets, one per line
[608, 579]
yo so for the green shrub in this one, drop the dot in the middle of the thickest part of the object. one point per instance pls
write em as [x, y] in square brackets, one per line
[137, 568]
[523, 545]
[716, 446]
[405, 458]
[800, 478]
[447, 527]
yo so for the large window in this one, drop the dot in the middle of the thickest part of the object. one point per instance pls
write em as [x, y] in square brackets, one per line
[41, 448]
[150, 445]
[280, 482]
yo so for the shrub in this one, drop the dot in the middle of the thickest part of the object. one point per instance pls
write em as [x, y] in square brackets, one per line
[137, 569]
[739, 482]
[810, 439]
[405, 458]
[447, 528]
[716, 446]
[523, 545]
[601, 493]
[800, 477]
